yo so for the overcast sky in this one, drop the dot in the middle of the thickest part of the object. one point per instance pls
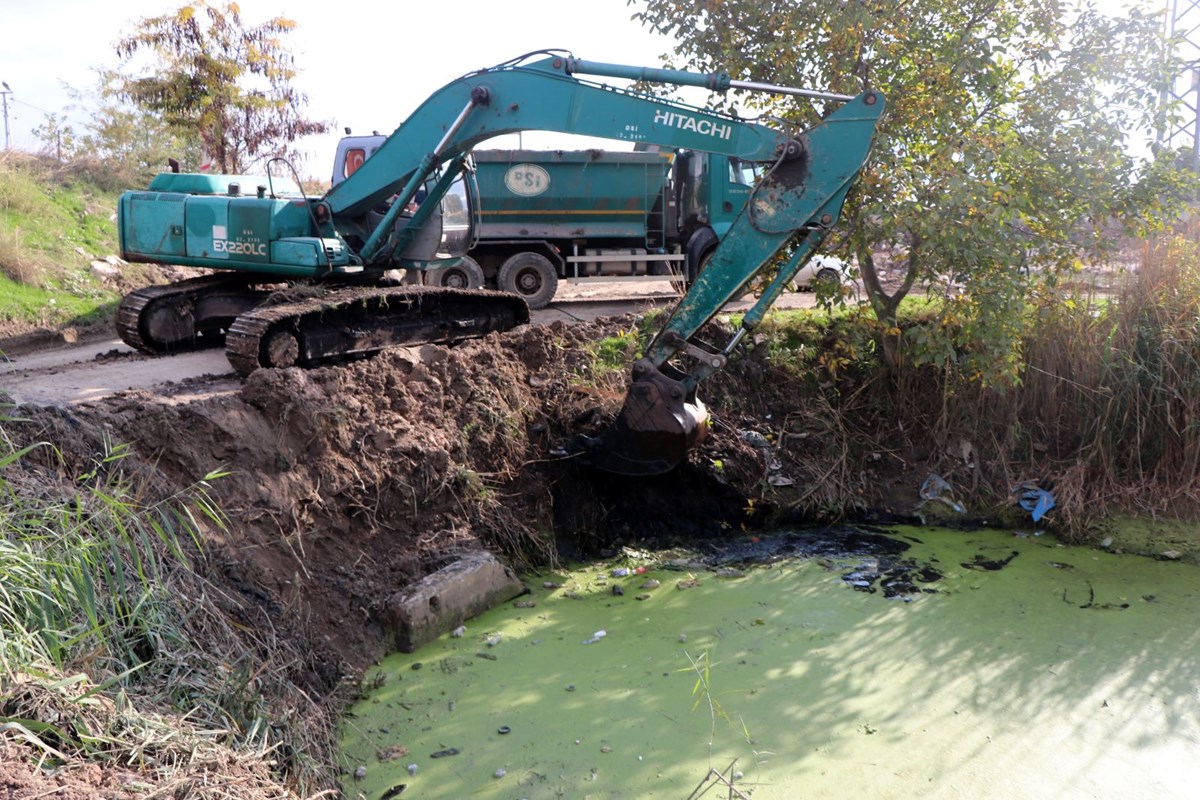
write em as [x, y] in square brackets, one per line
[363, 65]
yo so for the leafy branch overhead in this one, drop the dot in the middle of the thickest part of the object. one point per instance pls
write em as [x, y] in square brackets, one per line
[215, 76]
[1007, 150]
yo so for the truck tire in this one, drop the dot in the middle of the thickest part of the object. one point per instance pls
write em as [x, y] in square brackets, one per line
[467, 274]
[532, 276]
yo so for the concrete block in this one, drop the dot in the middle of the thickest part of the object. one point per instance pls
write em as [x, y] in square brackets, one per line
[440, 602]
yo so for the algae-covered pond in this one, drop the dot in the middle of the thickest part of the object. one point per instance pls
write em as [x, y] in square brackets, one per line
[1000, 666]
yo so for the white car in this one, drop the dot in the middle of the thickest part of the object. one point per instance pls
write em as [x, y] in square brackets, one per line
[821, 268]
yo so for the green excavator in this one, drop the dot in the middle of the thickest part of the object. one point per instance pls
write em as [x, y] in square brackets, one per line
[305, 281]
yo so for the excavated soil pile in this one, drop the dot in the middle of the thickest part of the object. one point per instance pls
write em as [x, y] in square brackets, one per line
[346, 484]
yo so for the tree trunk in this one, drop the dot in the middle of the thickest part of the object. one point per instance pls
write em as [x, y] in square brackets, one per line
[887, 305]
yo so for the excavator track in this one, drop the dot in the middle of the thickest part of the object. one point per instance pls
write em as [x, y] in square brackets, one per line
[187, 315]
[349, 323]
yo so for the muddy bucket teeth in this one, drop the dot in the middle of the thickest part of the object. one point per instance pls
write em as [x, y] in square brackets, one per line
[657, 427]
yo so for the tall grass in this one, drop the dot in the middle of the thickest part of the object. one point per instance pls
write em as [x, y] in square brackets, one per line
[1104, 411]
[1110, 404]
[89, 576]
[103, 608]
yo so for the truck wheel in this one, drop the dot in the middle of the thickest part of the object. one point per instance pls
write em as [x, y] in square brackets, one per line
[530, 275]
[467, 274]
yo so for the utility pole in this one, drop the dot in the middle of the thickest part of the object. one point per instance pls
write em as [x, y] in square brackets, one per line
[4, 95]
[1183, 131]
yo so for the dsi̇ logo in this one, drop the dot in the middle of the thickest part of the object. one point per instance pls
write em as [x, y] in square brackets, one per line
[527, 180]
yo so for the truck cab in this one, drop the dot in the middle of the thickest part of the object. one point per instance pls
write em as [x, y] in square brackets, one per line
[711, 189]
[352, 152]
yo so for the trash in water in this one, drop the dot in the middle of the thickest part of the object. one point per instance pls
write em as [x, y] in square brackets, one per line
[620, 572]
[651, 583]
[458, 632]
[449, 751]
[494, 639]
[391, 752]
[1035, 500]
[597, 636]
[500, 773]
[412, 769]
[935, 487]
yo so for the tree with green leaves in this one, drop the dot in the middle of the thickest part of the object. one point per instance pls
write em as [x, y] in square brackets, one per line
[1004, 152]
[131, 143]
[230, 82]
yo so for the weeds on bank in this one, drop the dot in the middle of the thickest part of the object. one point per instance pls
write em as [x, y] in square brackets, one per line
[104, 615]
[612, 357]
[1110, 401]
[1096, 399]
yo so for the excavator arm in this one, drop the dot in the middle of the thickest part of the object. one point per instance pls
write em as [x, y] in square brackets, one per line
[789, 212]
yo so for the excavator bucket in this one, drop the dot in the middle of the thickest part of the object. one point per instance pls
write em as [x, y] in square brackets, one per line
[656, 428]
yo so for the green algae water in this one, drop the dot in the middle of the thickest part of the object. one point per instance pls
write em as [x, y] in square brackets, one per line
[1000, 667]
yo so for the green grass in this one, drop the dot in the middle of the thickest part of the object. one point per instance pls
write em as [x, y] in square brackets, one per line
[54, 221]
[53, 305]
[105, 614]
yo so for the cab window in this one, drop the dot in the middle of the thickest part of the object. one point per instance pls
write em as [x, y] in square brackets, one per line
[746, 173]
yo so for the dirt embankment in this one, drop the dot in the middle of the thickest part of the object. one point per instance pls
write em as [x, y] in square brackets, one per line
[346, 484]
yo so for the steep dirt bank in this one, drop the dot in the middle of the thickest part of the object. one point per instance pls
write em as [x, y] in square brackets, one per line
[346, 484]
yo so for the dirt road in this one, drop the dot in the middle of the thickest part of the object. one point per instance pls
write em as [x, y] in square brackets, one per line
[92, 370]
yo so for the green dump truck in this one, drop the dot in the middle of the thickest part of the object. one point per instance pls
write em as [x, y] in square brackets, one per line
[588, 215]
